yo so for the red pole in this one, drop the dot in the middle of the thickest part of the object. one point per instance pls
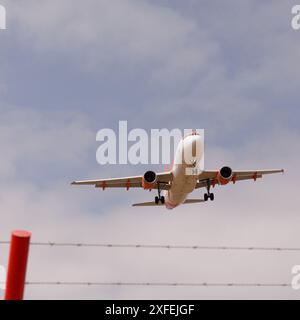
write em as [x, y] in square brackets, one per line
[16, 271]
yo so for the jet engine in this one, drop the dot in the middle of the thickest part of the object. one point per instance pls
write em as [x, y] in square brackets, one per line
[225, 175]
[149, 180]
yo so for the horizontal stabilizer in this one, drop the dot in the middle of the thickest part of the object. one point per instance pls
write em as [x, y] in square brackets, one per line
[193, 201]
[147, 204]
[153, 204]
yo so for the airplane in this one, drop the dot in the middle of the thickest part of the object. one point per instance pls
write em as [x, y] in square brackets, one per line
[174, 186]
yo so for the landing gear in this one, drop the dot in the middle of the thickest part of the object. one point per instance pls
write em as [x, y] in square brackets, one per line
[157, 200]
[160, 198]
[209, 195]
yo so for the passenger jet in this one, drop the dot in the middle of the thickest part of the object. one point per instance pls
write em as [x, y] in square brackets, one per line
[173, 187]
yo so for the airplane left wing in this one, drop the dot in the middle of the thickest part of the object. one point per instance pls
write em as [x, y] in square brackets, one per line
[163, 179]
[237, 175]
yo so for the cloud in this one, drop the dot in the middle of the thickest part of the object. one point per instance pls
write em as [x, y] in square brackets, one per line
[125, 33]
[173, 61]
[41, 141]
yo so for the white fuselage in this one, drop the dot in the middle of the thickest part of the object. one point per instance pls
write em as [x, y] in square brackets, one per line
[186, 168]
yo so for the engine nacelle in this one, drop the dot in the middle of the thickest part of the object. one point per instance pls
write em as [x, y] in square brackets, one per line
[225, 175]
[149, 180]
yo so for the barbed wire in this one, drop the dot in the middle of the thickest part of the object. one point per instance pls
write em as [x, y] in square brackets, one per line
[156, 246]
[155, 284]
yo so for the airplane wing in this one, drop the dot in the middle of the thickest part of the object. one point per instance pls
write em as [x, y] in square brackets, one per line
[238, 175]
[163, 178]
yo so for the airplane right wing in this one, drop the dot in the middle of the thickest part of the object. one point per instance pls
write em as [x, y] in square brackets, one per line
[237, 175]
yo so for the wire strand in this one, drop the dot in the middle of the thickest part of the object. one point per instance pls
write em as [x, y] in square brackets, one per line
[156, 246]
[154, 284]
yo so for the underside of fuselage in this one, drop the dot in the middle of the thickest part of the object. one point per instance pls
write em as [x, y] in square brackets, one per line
[182, 185]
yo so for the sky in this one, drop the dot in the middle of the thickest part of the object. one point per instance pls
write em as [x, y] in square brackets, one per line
[70, 68]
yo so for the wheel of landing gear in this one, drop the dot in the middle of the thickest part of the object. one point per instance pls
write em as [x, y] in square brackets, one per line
[205, 196]
[212, 197]
[156, 200]
[162, 200]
